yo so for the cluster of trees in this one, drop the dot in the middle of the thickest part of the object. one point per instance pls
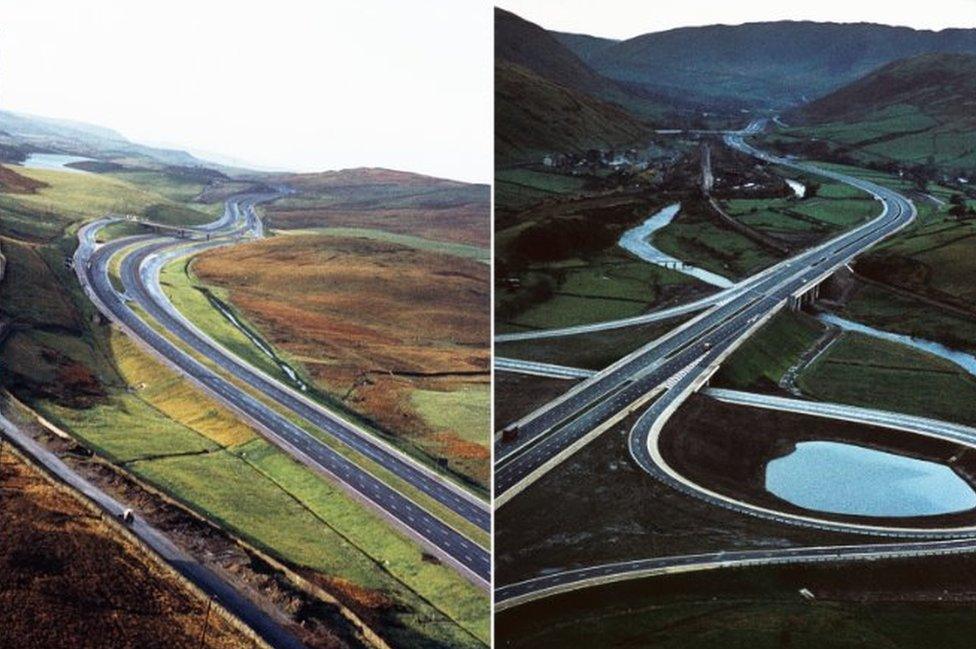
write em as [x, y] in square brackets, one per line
[959, 209]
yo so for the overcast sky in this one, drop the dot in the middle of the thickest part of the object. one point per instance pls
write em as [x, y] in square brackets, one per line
[295, 84]
[627, 18]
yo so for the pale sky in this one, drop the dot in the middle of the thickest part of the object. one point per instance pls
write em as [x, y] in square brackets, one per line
[294, 84]
[629, 18]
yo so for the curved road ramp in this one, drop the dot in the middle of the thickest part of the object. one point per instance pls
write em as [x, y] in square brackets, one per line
[662, 374]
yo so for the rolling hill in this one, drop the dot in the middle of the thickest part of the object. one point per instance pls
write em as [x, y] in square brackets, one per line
[913, 110]
[771, 64]
[534, 117]
[942, 86]
[394, 201]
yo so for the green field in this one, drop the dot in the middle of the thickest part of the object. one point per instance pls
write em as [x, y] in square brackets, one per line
[610, 286]
[466, 411]
[900, 133]
[884, 309]
[698, 240]
[456, 249]
[83, 195]
[517, 189]
[864, 371]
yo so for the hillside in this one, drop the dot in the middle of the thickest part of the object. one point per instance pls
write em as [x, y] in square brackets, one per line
[774, 64]
[12, 182]
[548, 100]
[916, 110]
[942, 86]
[394, 201]
[534, 117]
[584, 45]
[526, 44]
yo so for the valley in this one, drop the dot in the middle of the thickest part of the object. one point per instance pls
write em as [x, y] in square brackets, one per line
[806, 289]
[337, 571]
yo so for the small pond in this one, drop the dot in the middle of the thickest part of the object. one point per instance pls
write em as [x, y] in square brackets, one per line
[838, 478]
[53, 161]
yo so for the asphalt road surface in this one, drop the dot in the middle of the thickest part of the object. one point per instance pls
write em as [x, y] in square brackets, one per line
[91, 264]
[551, 432]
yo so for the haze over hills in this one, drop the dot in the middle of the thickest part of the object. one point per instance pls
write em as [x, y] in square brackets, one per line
[22, 134]
[774, 64]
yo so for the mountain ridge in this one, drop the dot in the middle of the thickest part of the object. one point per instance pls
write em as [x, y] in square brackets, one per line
[775, 64]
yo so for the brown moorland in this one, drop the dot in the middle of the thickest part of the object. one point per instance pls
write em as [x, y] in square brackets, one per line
[396, 201]
[12, 182]
[70, 580]
[373, 323]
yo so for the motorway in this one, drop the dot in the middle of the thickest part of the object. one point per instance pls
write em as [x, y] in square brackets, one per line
[551, 433]
[537, 588]
[960, 540]
[540, 369]
[712, 337]
[145, 255]
[842, 412]
[140, 278]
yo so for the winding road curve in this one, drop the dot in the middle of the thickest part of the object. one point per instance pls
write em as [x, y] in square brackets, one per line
[552, 432]
[755, 306]
[142, 262]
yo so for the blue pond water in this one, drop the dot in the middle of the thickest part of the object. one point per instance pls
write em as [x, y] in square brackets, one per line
[846, 479]
[53, 161]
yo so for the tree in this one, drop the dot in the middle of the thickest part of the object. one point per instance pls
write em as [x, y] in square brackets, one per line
[958, 210]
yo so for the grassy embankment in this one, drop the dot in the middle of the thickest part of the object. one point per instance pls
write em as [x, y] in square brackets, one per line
[113, 399]
[763, 358]
[344, 368]
[856, 369]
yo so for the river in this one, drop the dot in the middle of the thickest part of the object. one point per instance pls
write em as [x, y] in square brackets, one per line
[637, 241]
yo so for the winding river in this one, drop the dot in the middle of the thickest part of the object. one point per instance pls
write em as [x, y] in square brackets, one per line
[637, 241]
[962, 359]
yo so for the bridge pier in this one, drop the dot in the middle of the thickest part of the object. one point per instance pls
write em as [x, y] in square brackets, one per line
[805, 299]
